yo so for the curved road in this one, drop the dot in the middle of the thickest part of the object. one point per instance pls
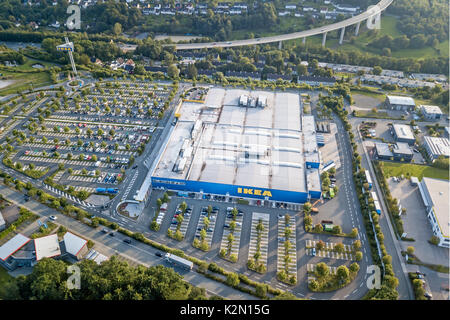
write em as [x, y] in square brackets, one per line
[382, 5]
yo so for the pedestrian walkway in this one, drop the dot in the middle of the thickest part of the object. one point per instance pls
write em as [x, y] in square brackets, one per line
[130, 186]
[68, 196]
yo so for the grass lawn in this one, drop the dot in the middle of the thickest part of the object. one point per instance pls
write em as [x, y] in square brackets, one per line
[23, 81]
[5, 278]
[379, 96]
[392, 169]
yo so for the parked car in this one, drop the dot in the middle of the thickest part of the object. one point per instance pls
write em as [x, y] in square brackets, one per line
[127, 240]
[158, 254]
[112, 234]
[104, 230]
[53, 218]
[313, 252]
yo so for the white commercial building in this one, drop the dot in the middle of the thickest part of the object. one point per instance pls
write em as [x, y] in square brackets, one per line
[436, 146]
[2, 222]
[434, 194]
[400, 103]
[47, 247]
[431, 112]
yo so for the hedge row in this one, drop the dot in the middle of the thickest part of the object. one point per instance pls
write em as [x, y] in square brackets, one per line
[389, 282]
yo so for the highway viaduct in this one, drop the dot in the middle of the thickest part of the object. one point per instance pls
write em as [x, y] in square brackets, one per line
[372, 15]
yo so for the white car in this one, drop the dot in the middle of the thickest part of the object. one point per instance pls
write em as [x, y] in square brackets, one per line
[53, 218]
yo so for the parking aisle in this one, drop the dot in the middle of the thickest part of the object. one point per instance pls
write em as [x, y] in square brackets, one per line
[256, 219]
[282, 226]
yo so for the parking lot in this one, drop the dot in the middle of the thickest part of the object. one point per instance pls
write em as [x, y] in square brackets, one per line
[97, 134]
[416, 223]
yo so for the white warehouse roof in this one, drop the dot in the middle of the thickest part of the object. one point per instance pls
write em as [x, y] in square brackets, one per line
[431, 109]
[403, 131]
[439, 193]
[406, 101]
[47, 247]
[73, 243]
[12, 245]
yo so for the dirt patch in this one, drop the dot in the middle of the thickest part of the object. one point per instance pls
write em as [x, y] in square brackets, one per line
[366, 102]
[10, 214]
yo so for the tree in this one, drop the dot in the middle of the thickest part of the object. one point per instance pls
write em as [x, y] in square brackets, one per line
[117, 29]
[307, 207]
[410, 250]
[322, 270]
[356, 244]
[173, 72]
[320, 245]
[391, 281]
[339, 248]
[232, 279]
[261, 290]
[354, 267]
[192, 71]
[313, 285]
[342, 273]
[318, 227]
[358, 256]
[377, 70]
[337, 229]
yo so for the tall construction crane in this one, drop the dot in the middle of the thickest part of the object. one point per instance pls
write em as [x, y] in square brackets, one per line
[68, 47]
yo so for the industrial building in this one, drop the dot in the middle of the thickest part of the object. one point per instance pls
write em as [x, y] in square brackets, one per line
[21, 251]
[383, 152]
[398, 152]
[75, 246]
[403, 133]
[244, 145]
[436, 146]
[2, 222]
[431, 112]
[402, 152]
[400, 103]
[435, 197]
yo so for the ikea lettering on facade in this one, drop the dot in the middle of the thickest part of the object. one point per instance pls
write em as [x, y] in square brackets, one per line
[256, 192]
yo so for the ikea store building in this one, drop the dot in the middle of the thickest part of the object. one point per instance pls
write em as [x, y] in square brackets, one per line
[254, 145]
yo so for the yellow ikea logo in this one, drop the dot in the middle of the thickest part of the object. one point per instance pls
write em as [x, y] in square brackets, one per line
[255, 192]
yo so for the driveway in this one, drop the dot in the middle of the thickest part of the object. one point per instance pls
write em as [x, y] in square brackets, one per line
[416, 223]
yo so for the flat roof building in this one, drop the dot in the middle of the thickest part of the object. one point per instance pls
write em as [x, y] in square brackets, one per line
[436, 146]
[431, 112]
[402, 152]
[435, 195]
[403, 133]
[254, 153]
[400, 103]
[47, 247]
[2, 222]
[382, 151]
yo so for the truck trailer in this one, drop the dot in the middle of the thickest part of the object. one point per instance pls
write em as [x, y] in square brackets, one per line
[181, 262]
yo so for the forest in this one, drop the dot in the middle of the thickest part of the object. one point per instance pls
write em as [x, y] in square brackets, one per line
[112, 280]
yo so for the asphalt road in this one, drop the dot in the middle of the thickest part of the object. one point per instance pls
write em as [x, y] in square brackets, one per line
[390, 240]
[136, 251]
[382, 5]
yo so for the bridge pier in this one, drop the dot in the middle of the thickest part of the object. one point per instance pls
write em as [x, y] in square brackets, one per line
[357, 28]
[324, 39]
[304, 40]
[341, 39]
[280, 45]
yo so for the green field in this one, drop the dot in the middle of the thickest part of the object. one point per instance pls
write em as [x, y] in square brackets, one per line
[23, 81]
[388, 27]
[5, 278]
[393, 169]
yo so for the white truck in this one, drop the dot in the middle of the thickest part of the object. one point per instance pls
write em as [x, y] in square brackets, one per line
[181, 262]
